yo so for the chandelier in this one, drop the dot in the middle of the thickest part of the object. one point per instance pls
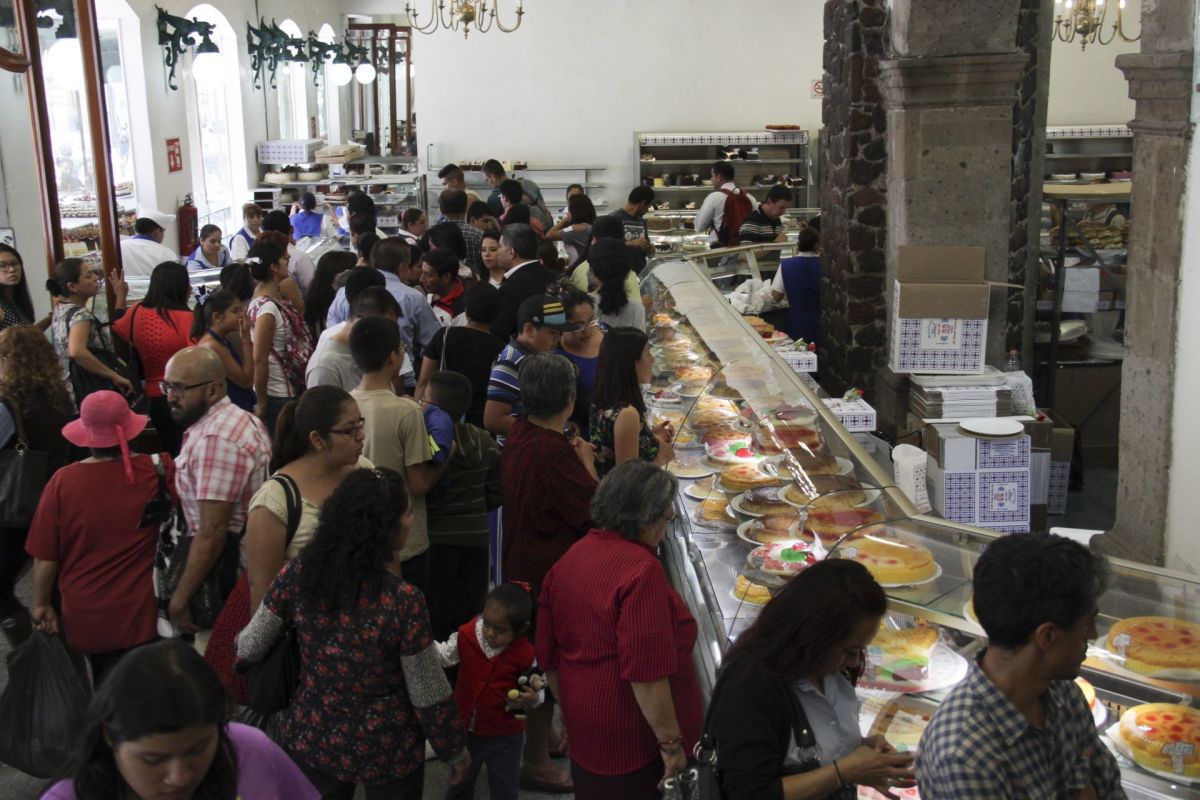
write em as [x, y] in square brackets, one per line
[465, 14]
[1086, 20]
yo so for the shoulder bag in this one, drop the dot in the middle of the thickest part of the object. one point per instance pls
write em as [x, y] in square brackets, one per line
[23, 475]
[271, 682]
[171, 556]
[85, 382]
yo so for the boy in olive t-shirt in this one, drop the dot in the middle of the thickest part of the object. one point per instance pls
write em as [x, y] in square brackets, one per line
[394, 430]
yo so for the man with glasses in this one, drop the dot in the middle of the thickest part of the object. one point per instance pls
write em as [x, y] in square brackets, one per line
[224, 460]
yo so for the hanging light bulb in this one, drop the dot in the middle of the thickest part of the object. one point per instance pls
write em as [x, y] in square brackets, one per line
[365, 73]
[340, 74]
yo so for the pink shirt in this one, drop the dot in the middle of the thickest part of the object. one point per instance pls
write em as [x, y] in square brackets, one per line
[264, 771]
[224, 458]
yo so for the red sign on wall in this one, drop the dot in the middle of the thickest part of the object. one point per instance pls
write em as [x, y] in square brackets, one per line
[174, 156]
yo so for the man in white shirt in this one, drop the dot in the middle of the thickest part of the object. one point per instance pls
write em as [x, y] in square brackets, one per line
[331, 363]
[300, 266]
[240, 243]
[711, 215]
[144, 251]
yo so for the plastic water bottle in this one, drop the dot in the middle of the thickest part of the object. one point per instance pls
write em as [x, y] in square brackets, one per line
[1013, 364]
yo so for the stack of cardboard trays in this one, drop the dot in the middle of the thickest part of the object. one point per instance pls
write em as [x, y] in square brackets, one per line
[977, 480]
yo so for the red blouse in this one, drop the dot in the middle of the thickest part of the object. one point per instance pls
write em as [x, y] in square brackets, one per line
[547, 498]
[607, 617]
[155, 339]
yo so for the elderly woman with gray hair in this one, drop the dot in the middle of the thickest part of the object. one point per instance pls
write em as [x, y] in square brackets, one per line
[616, 642]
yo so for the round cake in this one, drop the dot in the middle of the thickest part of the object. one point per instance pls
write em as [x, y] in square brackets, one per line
[744, 477]
[706, 417]
[1150, 729]
[709, 403]
[679, 344]
[716, 510]
[830, 526]
[765, 501]
[812, 465]
[665, 398]
[798, 438]
[732, 453]
[1156, 644]
[726, 434]
[691, 467]
[702, 488]
[775, 528]
[791, 416]
[891, 561]
[694, 376]
[750, 591]
[825, 493]
[782, 558]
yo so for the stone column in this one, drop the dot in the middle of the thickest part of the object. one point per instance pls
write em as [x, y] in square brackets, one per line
[949, 95]
[1160, 80]
[853, 196]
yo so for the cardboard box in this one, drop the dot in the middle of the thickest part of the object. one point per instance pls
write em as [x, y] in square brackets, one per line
[288, 151]
[1039, 477]
[1090, 396]
[939, 310]
[996, 499]
[956, 451]
[1061, 450]
[799, 360]
[856, 415]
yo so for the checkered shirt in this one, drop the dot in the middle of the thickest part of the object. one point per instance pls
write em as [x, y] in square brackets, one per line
[474, 239]
[979, 745]
[225, 457]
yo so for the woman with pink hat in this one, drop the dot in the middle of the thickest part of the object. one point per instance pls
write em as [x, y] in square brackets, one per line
[88, 535]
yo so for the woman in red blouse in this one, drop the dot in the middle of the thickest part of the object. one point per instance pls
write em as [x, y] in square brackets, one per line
[616, 643]
[158, 327]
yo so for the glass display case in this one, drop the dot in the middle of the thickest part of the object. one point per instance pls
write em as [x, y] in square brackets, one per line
[770, 483]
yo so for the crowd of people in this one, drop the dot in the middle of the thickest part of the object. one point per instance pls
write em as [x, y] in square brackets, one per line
[427, 463]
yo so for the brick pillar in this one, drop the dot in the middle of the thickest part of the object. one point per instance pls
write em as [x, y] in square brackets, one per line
[950, 94]
[854, 195]
[1160, 80]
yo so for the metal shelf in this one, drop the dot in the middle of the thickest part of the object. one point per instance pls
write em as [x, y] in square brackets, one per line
[1056, 156]
[681, 162]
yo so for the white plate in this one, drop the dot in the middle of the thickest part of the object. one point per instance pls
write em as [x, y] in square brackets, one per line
[1114, 736]
[697, 491]
[870, 496]
[946, 669]
[696, 470]
[736, 504]
[937, 573]
[745, 537]
[992, 426]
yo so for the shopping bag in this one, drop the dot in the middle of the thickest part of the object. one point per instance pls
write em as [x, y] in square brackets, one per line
[42, 708]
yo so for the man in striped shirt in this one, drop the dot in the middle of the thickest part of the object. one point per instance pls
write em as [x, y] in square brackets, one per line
[763, 224]
[541, 320]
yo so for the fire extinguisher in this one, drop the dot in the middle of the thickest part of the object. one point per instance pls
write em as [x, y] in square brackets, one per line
[189, 227]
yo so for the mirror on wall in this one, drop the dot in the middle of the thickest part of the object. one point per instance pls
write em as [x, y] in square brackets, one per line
[382, 96]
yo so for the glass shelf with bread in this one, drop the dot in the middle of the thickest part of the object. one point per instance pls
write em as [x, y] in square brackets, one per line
[769, 483]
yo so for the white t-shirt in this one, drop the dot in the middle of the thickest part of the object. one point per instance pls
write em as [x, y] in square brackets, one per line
[325, 344]
[277, 383]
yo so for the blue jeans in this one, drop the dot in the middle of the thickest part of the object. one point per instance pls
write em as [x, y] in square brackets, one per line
[502, 755]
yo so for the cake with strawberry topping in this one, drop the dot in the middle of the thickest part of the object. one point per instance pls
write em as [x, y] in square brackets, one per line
[782, 558]
[1156, 645]
[1163, 737]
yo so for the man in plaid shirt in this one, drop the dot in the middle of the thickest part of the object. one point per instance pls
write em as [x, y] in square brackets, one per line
[223, 462]
[1018, 727]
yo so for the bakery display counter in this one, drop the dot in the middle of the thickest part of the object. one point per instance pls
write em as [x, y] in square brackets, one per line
[769, 483]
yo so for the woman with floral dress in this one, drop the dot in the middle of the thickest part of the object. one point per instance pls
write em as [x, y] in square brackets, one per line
[618, 427]
[371, 687]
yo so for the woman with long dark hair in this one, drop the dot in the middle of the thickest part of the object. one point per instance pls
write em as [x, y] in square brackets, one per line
[371, 687]
[159, 727]
[784, 715]
[281, 342]
[33, 399]
[322, 290]
[16, 307]
[574, 230]
[617, 423]
[158, 336]
[75, 331]
[609, 260]
[219, 323]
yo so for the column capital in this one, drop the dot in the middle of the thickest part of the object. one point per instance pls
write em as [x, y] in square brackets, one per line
[974, 80]
[1161, 85]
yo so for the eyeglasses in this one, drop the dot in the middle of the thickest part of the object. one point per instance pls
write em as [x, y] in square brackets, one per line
[10, 266]
[350, 430]
[179, 388]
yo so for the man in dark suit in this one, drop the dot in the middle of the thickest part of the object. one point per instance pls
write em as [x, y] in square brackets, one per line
[524, 276]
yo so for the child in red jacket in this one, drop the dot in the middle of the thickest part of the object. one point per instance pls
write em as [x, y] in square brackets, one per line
[492, 653]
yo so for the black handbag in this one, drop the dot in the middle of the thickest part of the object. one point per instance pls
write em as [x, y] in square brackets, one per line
[170, 561]
[85, 382]
[23, 475]
[271, 682]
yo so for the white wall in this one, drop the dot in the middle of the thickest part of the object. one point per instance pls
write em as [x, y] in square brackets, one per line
[579, 77]
[1086, 88]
